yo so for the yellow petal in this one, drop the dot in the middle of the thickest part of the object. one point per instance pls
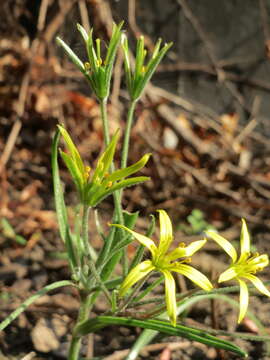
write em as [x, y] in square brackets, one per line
[243, 300]
[258, 284]
[185, 251]
[192, 274]
[259, 262]
[166, 234]
[228, 274]
[144, 240]
[244, 241]
[136, 274]
[225, 244]
[170, 296]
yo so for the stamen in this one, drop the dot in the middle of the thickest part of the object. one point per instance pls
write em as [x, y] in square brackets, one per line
[87, 170]
[87, 66]
[109, 184]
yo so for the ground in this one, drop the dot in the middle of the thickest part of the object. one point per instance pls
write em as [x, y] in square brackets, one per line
[203, 161]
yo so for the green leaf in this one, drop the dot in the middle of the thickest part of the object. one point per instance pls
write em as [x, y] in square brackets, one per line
[116, 33]
[123, 173]
[105, 159]
[76, 157]
[92, 56]
[74, 171]
[10, 233]
[140, 55]
[31, 299]
[151, 67]
[111, 53]
[83, 32]
[60, 206]
[73, 57]
[103, 193]
[128, 74]
[129, 182]
[99, 322]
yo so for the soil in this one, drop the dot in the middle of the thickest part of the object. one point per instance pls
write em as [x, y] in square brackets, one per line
[38, 90]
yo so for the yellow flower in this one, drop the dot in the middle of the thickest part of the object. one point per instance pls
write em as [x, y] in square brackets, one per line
[243, 267]
[164, 262]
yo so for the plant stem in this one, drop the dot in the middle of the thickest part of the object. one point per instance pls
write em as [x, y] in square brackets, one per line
[123, 165]
[75, 344]
[105, 124]
[104, 118]
[127, 134]
[85, 219]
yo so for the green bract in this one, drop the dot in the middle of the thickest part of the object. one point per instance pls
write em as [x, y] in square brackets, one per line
[165, 262]
[93, 189]
[136, 80]
[243, 267]
[98, 72]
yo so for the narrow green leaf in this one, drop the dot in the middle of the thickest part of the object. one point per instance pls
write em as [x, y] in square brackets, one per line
[60, 206]
[139, 57]
[113, 44]
[123, 173]
[128, 73]
[103, 193]
[92, 56]
[129, 182]
[192, 334]
[73, 57]
[31, 299]
[74, 171]
[106, 159]
[83, 32]
[10, 233]
[151, 67]
[76, 157]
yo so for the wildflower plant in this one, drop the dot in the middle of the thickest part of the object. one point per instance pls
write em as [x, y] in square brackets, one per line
[93, 273]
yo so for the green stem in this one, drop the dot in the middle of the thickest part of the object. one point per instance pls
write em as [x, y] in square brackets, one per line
[105, 124]
[75, 344]
[123, 165]
[85, 219]
[104, 118]
[90, 262]
[127, 134]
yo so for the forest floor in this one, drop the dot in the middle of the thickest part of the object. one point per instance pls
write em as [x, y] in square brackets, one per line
[205, 169]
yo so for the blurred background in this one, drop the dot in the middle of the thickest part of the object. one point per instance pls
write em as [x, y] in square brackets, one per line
[205, 118]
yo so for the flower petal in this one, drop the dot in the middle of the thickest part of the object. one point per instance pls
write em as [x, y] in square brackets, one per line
[243, 300]
[258, 284]
[225, 244]
[166, 234]
[189, 250]
[259, 262]
[170, 296]
[228, 274]
[144, 240]
[136, 274]
[192, 274]
[244, 241]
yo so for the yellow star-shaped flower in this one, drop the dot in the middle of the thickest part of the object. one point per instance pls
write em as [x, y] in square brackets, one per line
[242, 268]
[165, 262]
